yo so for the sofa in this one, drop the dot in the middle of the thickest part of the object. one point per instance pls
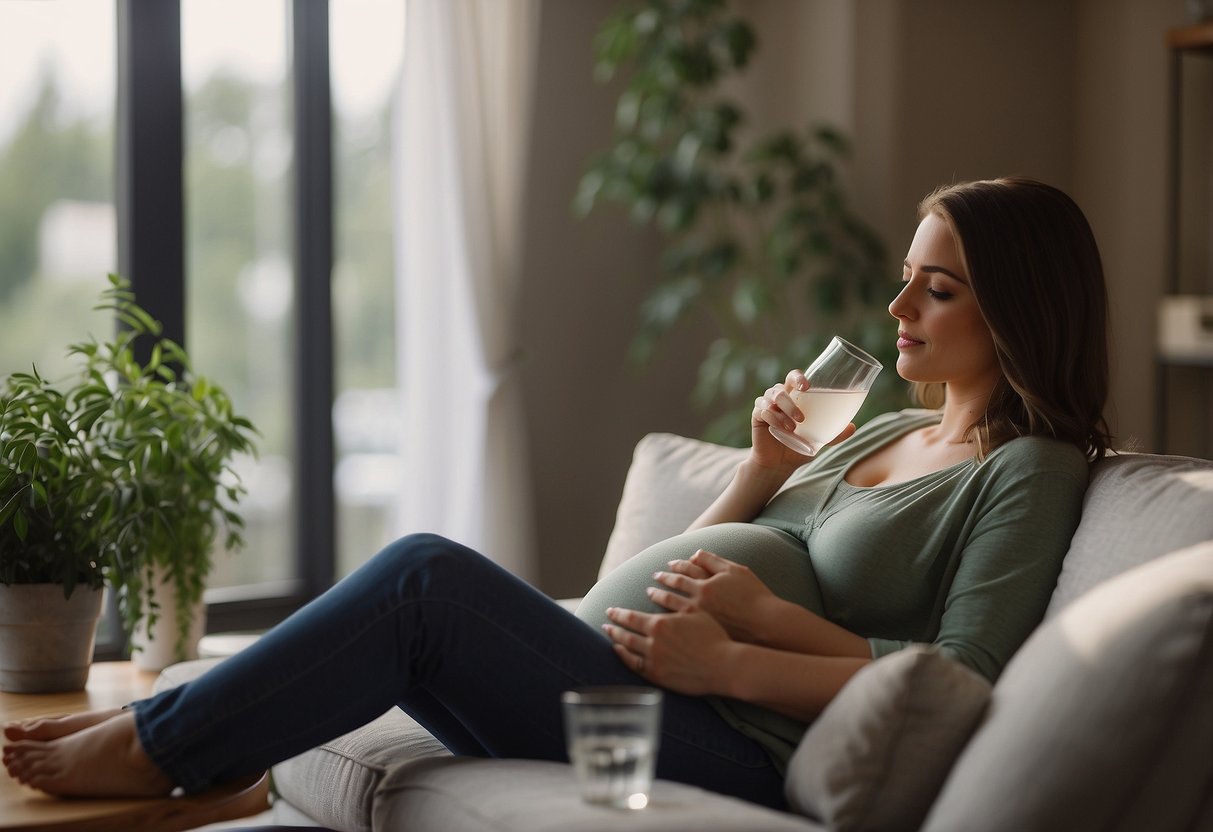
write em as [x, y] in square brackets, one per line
[1102, 720]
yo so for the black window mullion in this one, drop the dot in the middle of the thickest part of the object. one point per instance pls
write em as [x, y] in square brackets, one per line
[313, 254]
[150, 150]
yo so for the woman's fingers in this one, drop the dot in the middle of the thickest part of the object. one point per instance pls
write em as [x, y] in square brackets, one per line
[634, 661]
[629, 644]
[775, 407]
[686, 567]
[671, 601]
[673, 580]
[627, 621]
[709, 562]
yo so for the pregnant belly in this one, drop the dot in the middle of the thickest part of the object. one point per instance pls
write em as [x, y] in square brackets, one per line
[777, 558]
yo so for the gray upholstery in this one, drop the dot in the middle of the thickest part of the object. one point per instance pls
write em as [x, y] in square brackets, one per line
[1138, 506]
[477, 795]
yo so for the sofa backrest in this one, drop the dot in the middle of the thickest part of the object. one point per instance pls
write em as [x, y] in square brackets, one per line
[1137, 507]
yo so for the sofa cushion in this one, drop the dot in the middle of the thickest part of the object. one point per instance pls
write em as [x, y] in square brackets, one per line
[671, 480]
[1138, 506]
[479, 795]
[335, 783]
[878, 755]
[1104, 719]
[182, 672]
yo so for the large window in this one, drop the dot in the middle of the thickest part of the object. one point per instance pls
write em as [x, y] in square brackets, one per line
[248, 299]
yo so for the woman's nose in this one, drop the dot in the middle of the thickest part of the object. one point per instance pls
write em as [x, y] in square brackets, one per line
[901, 306]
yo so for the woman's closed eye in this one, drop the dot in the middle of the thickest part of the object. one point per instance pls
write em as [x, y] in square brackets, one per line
[939, 294]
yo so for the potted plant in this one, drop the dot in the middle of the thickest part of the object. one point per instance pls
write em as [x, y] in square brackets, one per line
[58, 506]
[120, 475]
[761, 239]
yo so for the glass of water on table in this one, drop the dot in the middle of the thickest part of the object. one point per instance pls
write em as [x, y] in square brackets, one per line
[612, 735]
[839, 381]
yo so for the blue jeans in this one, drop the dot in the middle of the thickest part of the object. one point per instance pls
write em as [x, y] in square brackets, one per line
[470, 651]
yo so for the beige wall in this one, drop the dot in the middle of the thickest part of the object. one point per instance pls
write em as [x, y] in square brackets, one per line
[1070, 91]
[1120, 171]
[584, 280]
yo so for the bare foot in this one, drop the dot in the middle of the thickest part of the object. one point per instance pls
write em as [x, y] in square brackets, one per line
[104, 759]
[53, 727]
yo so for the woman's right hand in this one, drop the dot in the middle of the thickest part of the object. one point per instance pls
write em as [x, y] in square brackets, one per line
[775, 408]
[726, 590]
[770, 462]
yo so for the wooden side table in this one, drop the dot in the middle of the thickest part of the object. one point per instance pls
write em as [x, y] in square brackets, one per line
[113, 684]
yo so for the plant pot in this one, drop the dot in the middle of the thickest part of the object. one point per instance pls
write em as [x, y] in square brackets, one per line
[157, 649]
[46, 641]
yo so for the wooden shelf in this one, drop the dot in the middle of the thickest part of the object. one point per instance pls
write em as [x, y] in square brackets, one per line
[1197, 37]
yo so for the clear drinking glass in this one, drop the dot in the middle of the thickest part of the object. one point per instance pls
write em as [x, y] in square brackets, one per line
[612, 736]
[839, 381]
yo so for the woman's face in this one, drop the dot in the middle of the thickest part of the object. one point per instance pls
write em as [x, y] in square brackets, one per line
[941, 334]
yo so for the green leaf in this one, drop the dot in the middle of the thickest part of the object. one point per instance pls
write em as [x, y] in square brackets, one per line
[202, 388]
[20, 525]
[10, 506]
[627, 111]
[677, 214]
[832, 139]
[687, 153]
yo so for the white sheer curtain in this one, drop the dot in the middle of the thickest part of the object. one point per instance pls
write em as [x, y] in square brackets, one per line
[462, 131]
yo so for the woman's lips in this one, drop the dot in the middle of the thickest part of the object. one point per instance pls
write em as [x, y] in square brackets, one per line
[904, 341]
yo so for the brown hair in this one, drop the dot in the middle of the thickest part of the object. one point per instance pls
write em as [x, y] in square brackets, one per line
[1038, 279]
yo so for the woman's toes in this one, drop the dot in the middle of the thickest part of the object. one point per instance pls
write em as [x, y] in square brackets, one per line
[53, 727]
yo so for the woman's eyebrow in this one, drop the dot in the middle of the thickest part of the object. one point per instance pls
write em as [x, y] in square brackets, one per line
[937, 270]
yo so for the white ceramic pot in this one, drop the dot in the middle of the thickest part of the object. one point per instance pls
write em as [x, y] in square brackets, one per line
[157, 650]
[46, 640]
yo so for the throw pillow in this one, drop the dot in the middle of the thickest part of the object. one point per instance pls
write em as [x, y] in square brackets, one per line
[1104, 718]
[877, 756]
[671, 480]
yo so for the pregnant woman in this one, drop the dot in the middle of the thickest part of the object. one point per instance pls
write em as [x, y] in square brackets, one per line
[944, 526]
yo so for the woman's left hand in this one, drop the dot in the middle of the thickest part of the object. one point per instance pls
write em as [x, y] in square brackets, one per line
[687, 652]
[729, 592]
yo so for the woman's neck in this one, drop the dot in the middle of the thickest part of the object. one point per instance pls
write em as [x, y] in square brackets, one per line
[961, 409]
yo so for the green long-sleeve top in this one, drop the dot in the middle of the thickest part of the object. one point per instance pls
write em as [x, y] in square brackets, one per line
[964, 558]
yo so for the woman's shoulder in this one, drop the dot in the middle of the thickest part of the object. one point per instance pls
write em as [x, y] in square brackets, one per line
[1031, 455]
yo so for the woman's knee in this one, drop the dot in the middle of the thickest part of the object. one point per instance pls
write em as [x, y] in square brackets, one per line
[431, 552]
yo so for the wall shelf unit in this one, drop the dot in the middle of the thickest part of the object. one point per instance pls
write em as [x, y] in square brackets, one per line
[1184, 347]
